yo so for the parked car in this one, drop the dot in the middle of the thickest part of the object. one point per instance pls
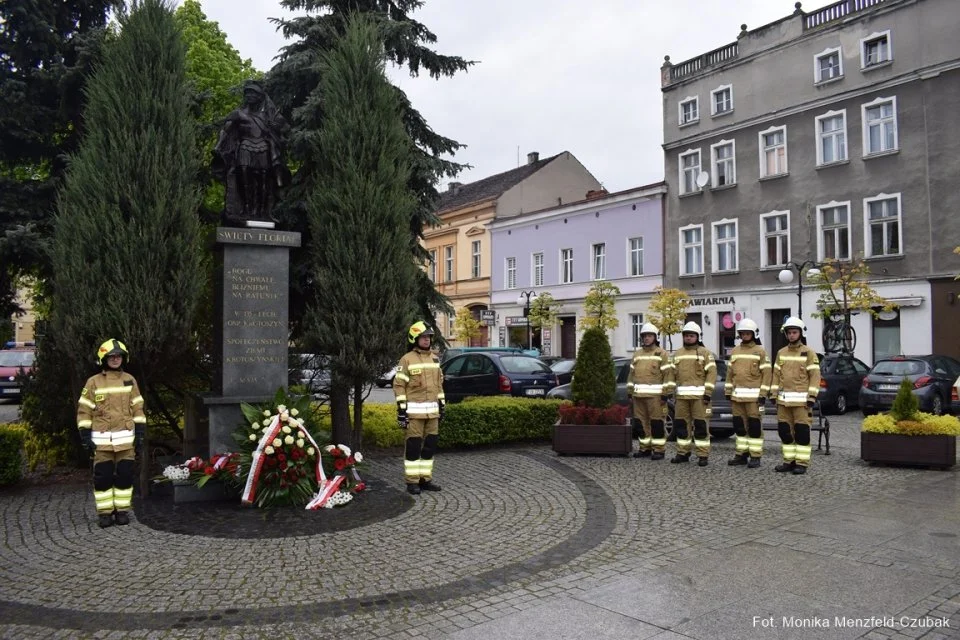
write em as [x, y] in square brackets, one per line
[490, 373]
[309, 370]
[932, 377]
[563, 369]
[551, 360]
[386, 378]
[453, 352]
[841, 377]
[16, 360]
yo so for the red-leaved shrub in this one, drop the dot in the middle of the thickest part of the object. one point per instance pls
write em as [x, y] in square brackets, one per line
[581, 414]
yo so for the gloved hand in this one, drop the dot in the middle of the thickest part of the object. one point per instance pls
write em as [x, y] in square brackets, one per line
[138, 433]
[664, 399]
[706, 399]
[761, 401]
[443, 410]
[810, 404]
[402, 420]
[86, 439]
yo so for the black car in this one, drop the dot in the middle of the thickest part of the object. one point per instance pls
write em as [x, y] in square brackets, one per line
[932, 378]
[563, 369]
[841, 377]
[486, 373]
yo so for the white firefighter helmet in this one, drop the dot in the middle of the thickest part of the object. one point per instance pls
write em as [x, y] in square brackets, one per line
[692, 327]
[794, 322]
[649, 328]
[748, 325]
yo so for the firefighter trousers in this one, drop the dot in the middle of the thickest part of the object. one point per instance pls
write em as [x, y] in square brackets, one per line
[113, 480]
[748, 428]
[419, 448]
[691, 427]
[648, 411]
[793, 425]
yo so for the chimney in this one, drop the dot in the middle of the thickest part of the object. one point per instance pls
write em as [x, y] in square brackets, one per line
[533, 156]
[454, 187]
[593, 194]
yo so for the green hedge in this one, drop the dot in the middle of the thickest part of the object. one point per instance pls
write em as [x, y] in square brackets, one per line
[12, 437]
[490, 420]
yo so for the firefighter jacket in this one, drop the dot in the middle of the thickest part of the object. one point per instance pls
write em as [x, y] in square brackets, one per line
[418, 384]
[110, 405]
[651, 373]
[696, 372]
[796, 376]
[748, 376]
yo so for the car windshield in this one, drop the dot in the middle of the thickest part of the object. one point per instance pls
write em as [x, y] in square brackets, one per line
[564, 366]
[898, 368]
[523, 364]
[16, 358]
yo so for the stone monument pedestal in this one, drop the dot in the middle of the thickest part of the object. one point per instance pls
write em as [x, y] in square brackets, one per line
[251, 326]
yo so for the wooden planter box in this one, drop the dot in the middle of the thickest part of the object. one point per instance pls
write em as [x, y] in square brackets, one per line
[894, 448]
[606, 439]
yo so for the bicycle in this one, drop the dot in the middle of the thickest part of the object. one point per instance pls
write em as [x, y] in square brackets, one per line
[839, 337]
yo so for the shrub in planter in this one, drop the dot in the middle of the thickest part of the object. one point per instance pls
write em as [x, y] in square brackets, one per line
[580, 414]
[12, 437]
[595, 382]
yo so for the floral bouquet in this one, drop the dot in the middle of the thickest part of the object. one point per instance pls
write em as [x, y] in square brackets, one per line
[340, 465]
[279, 456]
[223, 467]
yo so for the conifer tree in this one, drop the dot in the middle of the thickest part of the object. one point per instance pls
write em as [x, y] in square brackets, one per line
[127, 249]
[358, 210]
[595, 382]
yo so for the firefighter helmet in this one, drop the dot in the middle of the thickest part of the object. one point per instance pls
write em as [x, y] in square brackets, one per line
[748, 325]
[692, 327]
[794, 322]
[649, 328]
[418, 329]
[112, 347]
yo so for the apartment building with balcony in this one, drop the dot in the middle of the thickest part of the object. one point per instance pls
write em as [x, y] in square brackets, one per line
[563, 250]
[825, 134]
[460, 246]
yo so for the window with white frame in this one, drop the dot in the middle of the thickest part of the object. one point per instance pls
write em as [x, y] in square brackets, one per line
[537, 270]
[773, 152]
[450, 320]
[689, 169]
[882, 226]
[432, 266]
[828, 65]
[689, 110]
[510, 274]
[691, 250]
[721, 100]
[725, 245]
[600, 261]
[635, 256]
[875, 49]
[475, 259]
[775, 239]
[566, 266]
[636, 323]
[448, 264]
[832, 137]
[833, 231]
[880, 126]
[723, 158]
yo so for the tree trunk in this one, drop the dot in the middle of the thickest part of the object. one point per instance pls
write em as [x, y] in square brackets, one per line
[145, 445]
[356, 441]
[339, 411]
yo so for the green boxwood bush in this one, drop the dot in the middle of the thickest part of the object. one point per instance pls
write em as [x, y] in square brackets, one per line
[594, 381]
[475, 421]
[12, 437]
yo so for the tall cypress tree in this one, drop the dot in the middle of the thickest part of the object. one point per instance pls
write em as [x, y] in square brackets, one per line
[127, 243]
[292, 82]
[358, 210]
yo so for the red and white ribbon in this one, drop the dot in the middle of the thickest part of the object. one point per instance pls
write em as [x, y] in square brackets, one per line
[327, 489]
[274, 429]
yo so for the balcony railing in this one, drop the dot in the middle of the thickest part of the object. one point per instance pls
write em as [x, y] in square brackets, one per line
[704, 61]
[836, 11]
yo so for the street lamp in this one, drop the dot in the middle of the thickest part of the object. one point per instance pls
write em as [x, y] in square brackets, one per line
[786, 277]
[524, 300]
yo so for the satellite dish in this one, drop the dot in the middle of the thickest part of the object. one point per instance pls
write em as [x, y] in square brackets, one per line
[703, 178]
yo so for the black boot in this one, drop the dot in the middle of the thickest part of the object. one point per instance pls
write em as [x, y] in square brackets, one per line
[753, 463]
[657, 455]
[737, 460]
[413, 489]
[702, 461]
[427, 485]
[799, 471]
[105, 520]
[121, 517]
[680, 457]
[642, 453]
[785, 467]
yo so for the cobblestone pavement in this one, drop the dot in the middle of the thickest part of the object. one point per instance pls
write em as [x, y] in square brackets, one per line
[522, 544]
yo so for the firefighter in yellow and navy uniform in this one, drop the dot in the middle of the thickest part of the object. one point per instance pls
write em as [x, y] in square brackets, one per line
[418, 387]
[650, 383]
[696, 376]
[111, 422]
[796, 384]
[747, 387]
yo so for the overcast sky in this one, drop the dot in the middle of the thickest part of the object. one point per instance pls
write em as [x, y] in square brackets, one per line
[552, 75]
